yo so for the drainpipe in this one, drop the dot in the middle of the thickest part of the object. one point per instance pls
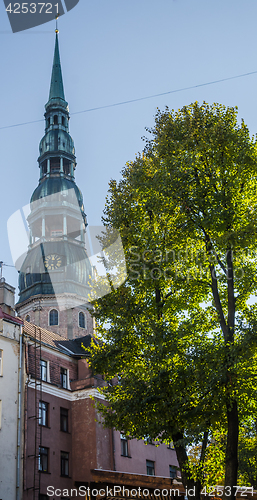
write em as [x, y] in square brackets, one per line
[19, 418]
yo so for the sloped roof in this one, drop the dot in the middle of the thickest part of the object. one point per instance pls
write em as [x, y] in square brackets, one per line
[70, 347]
[9, 318]
[48, 338]
[75, 345]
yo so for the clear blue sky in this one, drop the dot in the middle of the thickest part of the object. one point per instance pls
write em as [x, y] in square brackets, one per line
[114, 51]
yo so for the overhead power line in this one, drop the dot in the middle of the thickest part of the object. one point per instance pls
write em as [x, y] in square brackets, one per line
[182, 89]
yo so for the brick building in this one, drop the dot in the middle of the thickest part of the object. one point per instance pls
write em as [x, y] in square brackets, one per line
[65, 444]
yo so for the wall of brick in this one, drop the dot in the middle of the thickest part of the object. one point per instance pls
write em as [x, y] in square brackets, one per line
[68, 325]
[55, 364]
[52, 438]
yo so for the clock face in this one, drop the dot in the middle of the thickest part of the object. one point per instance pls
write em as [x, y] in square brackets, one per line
[53, 261]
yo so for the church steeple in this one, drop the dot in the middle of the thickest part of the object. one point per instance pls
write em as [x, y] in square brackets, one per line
[57, 152]
[56, 269]
[56, 87]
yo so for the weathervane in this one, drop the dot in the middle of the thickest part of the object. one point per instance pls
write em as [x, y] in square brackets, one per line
[56, 29]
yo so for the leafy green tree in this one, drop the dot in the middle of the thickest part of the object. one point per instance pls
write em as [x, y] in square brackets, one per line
[180, 333]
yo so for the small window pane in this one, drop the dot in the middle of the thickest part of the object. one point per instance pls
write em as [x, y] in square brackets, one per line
[43, 413]
[64, 419]
[43, 370]
[124, 445]
[43, 459]
[53, 317]
[64, 463]
[149, 468]
[64, 378]
[173, 471]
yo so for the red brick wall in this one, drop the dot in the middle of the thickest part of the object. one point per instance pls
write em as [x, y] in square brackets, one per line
[55, 363]
[52, 438]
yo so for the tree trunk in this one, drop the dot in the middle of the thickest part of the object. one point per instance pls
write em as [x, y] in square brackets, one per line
[231, 451]
[193, 488]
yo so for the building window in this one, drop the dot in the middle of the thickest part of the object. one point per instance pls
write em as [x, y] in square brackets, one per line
[53, 317]
[64, 419]
[43, 370]
[63, 121]
[43, 497]
[1, 362]
[55, 119]
[82, 323]
[64, 378]
[124, 446]
[173, 471]
[150, 468]
[27, 318]
[43, 459]
[43, 413]
[64, 463]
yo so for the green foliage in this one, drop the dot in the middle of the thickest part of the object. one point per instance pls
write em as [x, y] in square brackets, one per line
[178, 336]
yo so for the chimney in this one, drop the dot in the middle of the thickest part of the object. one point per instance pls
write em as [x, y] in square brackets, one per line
[7, 297]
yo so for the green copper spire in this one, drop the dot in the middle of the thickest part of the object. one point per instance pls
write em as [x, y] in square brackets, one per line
[56, 87]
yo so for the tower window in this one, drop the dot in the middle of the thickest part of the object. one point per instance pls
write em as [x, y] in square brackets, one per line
[55, 119]
[82, 322]
[44, 167]
[55, 164]
[53, 317]
[63, 121]
[66, 167]
[48, 122]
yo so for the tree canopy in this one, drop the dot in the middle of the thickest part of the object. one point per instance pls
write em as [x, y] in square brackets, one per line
[179, 336]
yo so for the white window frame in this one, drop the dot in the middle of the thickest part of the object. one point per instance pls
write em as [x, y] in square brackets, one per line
[68, 378]
[47, 370]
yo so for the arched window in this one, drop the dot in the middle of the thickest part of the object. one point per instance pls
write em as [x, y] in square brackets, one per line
[82, 322]
[55, 119]
[27, 318]
[53, 317]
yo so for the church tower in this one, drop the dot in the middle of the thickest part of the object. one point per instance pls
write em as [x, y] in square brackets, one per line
[54, 279]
